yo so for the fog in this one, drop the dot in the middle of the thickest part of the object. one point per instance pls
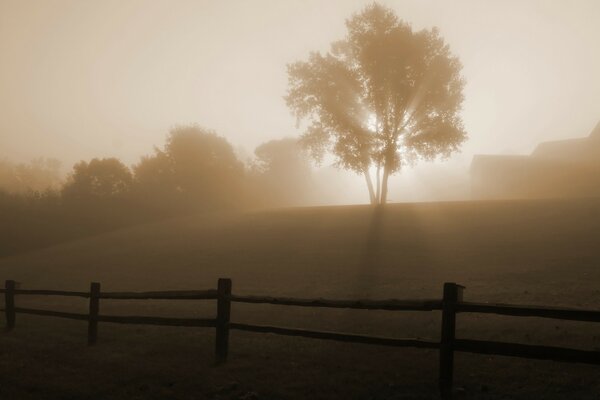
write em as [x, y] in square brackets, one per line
[109, 79]
[319, 180]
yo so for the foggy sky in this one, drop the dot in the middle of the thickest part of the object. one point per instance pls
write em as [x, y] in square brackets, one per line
[83, 79]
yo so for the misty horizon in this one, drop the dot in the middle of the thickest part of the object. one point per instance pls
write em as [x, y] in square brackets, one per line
[299, 199]
[78, 82]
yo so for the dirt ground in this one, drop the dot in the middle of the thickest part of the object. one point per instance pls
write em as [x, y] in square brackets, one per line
[535, 252]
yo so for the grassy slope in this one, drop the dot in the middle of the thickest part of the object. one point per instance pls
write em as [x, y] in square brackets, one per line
[338, 251]
[544, 252]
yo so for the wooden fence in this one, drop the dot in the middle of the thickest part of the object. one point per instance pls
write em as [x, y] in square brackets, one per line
[450, 305]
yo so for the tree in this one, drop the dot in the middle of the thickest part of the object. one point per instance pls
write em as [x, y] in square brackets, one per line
[196, 169]
[96, 196]
[283, 171]
[39, 175]
[100, 179]
[380, 99]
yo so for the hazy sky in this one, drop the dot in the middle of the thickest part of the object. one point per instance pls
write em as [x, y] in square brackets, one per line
[82, 79]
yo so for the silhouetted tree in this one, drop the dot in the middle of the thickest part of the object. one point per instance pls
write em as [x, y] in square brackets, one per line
[155, 185]
[100, 179]
[284, 172]
[382, 98]
[197, 169]
[39, 175]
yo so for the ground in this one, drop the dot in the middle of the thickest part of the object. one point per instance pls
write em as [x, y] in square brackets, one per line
[533, 252]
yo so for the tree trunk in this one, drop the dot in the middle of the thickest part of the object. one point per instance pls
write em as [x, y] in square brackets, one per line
[370, 186]
[384, 185]
[378, 194]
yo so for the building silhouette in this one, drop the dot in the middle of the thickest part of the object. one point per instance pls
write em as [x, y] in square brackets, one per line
[557, 169]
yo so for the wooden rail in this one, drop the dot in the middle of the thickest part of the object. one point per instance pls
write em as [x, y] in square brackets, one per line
[170, 295]
[164, 295]
[450, 305]
[569, 314]
[391, 305]
[120, 319]
[50, 313]
[163, 321]
[528, 351]
[340, 337]
[49, 292]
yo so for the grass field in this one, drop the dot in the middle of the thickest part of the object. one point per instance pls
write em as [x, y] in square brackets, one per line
[535, 252]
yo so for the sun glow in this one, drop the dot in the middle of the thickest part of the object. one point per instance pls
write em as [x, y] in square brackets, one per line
[372, 123]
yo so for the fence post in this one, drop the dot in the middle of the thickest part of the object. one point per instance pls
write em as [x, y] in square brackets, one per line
[223, 314]
[452, 295]
[9, 304]
[94, 310]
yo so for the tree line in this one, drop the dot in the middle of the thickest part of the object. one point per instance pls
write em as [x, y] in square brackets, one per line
[382, 98]
[195, 171]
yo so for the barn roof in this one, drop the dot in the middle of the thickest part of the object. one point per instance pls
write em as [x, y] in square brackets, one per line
[570, 150]
[580, 149]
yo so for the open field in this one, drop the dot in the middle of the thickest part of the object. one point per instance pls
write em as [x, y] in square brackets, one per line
[533, 252]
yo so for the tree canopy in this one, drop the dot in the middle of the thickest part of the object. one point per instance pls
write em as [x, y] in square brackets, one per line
[99, 179]
[196, 169]
[284, 172]
[380, 99]
[39, 175]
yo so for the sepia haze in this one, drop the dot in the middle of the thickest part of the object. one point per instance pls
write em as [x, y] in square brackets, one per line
[158, 151]
[109, 79]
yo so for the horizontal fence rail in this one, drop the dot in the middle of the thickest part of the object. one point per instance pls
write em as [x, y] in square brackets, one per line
[50, 313]
[162, 321]
[121, 319]
[43, 292]
[169, 295]
[164, 295]
[340, 337]
[391, 304]
[570, 314]
[450, 305]
[528, 351]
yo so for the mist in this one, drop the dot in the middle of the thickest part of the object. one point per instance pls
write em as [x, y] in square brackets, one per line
[107, 79]
[344, 199]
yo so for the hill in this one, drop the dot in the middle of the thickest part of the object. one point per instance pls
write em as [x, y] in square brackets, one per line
[543, 252]
[349, 251]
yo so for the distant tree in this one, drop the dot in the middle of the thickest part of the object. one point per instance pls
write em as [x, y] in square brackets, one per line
[100, 179]
[95, 198]
[382, 98]
[196, 169]
[284, 172]
[154, 182]
[39, 175]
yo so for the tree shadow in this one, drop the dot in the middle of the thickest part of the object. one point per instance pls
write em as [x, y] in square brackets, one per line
[370, 261]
